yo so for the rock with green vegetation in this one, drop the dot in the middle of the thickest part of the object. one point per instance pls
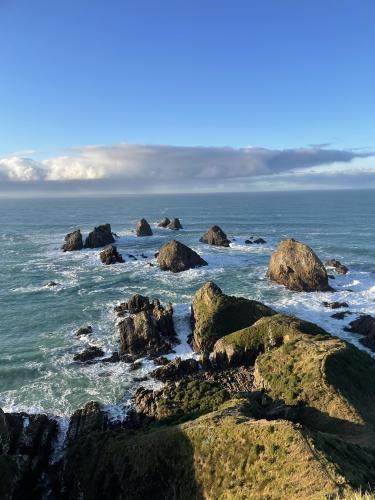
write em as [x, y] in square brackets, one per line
[214, 314]
[223, 454]
[295, 265]
[176, 257]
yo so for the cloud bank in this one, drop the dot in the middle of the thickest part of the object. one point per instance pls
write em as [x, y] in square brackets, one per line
[150, 168]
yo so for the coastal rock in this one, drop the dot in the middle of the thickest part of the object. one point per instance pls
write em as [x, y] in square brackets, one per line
[214, 314]
[164, 222]
[176, 257]
[248, 242]
[73, 241]
[336, 264]
[215, 236]
[335, 305]
[259, 241]
[176, 369]
[340, 315]
[110, 255]
[296, 266]
[369, 341]
[143, 228]
[84, 330]
[100, 237]
[135, 304]
[88, 354]
[88, 419]
[364, 325]
[51, 284]
[175, 224]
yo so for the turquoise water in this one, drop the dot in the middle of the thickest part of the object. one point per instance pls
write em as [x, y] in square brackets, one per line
[37, 326]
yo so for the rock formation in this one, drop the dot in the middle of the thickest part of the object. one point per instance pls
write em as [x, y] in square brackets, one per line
[110, 255]
[336, 264]
[164, 222]
[175, 224]
[176, 257]
[215, 236]
[100, 237]
[73, 241]
[296, 266]
[84, 330]
[88, 354]
[143, 228]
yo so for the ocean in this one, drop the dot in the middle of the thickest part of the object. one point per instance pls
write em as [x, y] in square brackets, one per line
[37, 322]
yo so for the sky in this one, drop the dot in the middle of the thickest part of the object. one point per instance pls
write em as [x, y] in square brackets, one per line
[186, 95]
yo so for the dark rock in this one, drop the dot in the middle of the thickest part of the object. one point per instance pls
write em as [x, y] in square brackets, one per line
[176, 369]
[176, 257]
[260, 241]
[331, 277]
[364, 325]
[164, 222]
[248, 242]
[296, 266]
[113, 358]
[335, 305]
[73, 241]
[161, 361]
[51, 284]
[143, 256]
[84, 330]
[110, 255]
[88, 419]
[336, 264]
[100, 237]
[135, 304]
[133, 257]
[88, 354]
[175, 224]
[369, 341]
[215, 236]
[135, 366]
[340, 315]
[143, 228]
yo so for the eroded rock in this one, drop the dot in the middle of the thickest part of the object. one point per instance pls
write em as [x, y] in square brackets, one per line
[110, 255]
[73, 241]
[215, 236]
[176, 257]
[100, 237]
[143, 228]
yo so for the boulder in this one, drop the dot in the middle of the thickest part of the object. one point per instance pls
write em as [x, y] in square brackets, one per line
[51, 284]
[175, 224]
[164, 222]
[364, 325]
[335, 305]
[176, 257]
[110, 255]
[214, 314]
[143, 228]
[84, 330]
[215, 236]
[73, 241]
[100, 237]
[176, 369]
[296, 266]
[88, 354]
[336, 264]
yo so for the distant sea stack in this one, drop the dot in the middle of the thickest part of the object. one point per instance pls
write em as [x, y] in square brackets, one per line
[215, 236]
[175, 224]
[176, 257]
[164, 222]
[295, 265]
[100, 237]
[73, 241]
[143, 228]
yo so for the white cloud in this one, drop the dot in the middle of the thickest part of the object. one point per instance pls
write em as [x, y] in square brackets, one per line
[21, 169]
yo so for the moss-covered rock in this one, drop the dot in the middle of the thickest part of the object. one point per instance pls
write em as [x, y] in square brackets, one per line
[215, 314]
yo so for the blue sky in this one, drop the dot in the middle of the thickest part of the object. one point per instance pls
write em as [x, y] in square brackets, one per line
[281, 75]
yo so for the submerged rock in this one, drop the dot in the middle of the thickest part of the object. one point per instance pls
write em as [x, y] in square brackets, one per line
[176, 257]
[259, 241]
[88, 354]
[335, 305]
[175, 224]
[84, 330]
[296, 266]
[100, 237]
[110, 255]
[364, 325]
[143, 228]
[73, 241]
[215, 236]
[51, 284]
[214, 314]
[336, 264]
[164, 222]
[340, 315]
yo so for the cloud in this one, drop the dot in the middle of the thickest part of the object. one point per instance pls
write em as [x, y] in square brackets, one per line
[155, 167]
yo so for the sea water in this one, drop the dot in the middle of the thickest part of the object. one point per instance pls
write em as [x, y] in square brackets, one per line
[38, 323]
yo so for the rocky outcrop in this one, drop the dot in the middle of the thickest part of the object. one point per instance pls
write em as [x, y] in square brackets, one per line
[259, 241]
[73, 241]
[176, 369]
[363, 325]
[143, 228]
[110, 255]
[164, 222]
[88, 419]
[335, 305]
[214, 314]
[336, 264]
[296, 266]
[176, 257]
[88, 354]
[175, 224]
[135, 304]
[84, 330]
[215, 236]
[100, 237]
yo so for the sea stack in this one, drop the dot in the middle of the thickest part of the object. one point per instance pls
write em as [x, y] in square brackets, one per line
[215, 236]
[143, 228]
[100, 237]
[175, 224]
[73, 241]
[176, 257]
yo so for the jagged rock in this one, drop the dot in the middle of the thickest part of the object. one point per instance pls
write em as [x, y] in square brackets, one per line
[164, 222]
[143, 228]
[73, 241]
[88, 354]
[51, 284]
[215, 236]
[259, 241]
[110, 255]
[84, 330]
[335, 305]
[296, 266]
[100, 237]
[336, 264]
[135, 304]
[175, 224]
[161, 361]
[364, 325]
[113, 358]
[340, 315]
[214, 314]
[176, 369]
[88, 419]
[176, 257]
